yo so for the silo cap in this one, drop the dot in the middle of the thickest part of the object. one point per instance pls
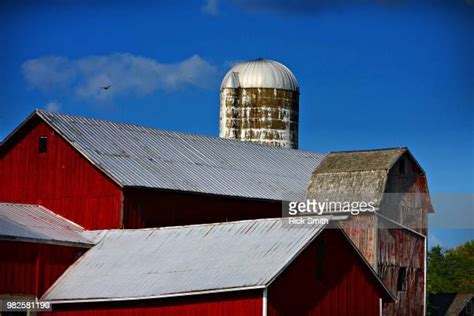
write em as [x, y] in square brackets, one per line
[260, 73]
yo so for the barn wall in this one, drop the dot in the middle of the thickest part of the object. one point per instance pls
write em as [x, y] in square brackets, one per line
[407, 203]
[31, 268]
[362, 230]
[346, 286]
[401, 248]
[388, 251]
[61, 179]
[233, 303]
[407, 198]
[157, 208]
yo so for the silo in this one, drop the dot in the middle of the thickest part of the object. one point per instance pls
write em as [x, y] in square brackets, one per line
[259, 102]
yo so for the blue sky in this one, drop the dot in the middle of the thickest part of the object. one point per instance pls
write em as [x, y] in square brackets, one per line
[373, 74]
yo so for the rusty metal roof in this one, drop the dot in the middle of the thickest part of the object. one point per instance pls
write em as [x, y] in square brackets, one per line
[138, 156]
[184, 260]
[34, 223]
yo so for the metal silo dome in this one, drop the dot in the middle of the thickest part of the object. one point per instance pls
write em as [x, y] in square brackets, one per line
[260, 73]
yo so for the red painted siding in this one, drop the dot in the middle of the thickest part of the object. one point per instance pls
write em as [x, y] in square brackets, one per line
[346, 286]
[31, 268]
[157, 208]
[234, 303]
[60, 179]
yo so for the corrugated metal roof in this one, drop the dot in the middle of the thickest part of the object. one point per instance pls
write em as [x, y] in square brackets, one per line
[260, 73]
[146, 157]
[24, 222]
[174, 261]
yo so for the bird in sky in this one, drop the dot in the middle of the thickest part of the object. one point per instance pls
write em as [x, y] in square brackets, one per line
[106, 87]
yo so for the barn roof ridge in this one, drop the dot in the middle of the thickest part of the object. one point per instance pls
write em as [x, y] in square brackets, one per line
[368, 150]
[191, 225]
[43, 114]
[360, 160]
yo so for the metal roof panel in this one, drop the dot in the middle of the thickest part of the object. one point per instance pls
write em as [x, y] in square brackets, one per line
[138, 156]
[172, 261]
[34, 223]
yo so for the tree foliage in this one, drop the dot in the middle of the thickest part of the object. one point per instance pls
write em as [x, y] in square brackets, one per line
[451, 271]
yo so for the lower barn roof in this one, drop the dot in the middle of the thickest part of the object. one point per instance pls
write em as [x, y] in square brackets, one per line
[34, 223]
[174, 261]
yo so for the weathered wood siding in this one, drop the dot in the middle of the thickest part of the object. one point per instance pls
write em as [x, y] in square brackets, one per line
[362, 230]
[400, 248]
[406, 202]
[406, 195]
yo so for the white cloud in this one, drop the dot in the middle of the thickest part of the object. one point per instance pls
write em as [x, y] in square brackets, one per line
[49, 73]
[211, 7]
[53, 106]
[126, 74]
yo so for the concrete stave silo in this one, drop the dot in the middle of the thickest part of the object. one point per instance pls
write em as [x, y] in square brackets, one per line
[259, 102]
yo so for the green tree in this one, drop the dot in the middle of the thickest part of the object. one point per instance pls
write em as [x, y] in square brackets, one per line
[451, 271]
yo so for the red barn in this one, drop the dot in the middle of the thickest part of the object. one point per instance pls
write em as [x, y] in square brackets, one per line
[255, 267]
[103, 174]
[36, 247]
